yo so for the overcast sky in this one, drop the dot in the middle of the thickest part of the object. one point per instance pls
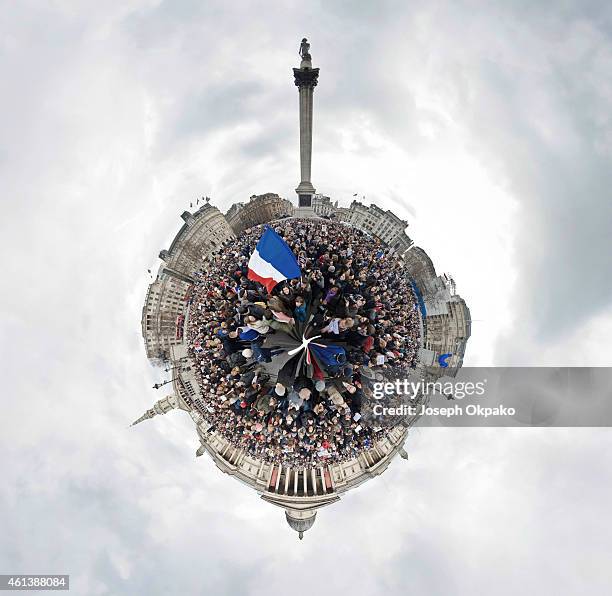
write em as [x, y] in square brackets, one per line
[488, 126]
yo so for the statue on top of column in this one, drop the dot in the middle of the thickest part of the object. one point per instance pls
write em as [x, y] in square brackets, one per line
[305, 50]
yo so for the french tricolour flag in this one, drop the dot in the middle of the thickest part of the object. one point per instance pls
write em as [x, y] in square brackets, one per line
[272, 261]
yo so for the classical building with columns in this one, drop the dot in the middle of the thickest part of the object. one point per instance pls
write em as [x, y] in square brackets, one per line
[260, 209]
[378, 222]
[164, 311]
[163, 315]
[203, 232]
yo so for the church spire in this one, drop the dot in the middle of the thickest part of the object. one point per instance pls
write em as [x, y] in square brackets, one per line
[161, 406]
[148, 414]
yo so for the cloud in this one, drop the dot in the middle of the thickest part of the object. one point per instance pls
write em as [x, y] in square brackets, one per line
[487, 126]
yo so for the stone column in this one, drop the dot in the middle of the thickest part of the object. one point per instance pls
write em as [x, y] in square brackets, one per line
[305, 80]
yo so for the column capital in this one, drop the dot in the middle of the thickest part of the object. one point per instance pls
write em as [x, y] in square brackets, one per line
[306, 77]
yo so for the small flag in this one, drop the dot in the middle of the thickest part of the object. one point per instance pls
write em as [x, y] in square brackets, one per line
[191, 204]
[442, 360]
[355, 195]
[272, 261]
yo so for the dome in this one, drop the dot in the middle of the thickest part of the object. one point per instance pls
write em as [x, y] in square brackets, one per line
[300, 521]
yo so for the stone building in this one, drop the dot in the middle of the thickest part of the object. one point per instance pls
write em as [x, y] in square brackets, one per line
[260, 209]
[233, 217]
[341, 214]
[301, 491]
[322, 205]
[163, 314]
[166, 301]
[421, 268]
[202, 233]
[377, 222]
[448, 329]
[445, 316]
[401, 244]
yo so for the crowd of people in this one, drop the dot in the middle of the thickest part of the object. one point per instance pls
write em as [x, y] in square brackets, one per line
[353, 293]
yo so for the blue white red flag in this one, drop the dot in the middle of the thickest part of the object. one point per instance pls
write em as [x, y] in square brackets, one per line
[272, 261]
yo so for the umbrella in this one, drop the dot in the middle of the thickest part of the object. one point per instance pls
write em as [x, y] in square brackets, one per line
[301, 351]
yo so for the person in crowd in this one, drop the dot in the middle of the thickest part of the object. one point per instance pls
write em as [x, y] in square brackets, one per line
[299, 312]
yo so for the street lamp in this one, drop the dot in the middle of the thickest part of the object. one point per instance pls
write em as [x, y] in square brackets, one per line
[181, 367]
[158, 385]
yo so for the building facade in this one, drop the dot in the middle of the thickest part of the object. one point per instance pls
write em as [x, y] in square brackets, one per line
[445, 315]
[448, 328]
[260, 209]
[421, 269]
[233, 217]
[167, 297]
[163, 315]
[202, 233]
[322, 205]
[377, 222]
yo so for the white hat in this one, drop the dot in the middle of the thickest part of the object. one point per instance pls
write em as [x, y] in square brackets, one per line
[320, 385]
[247, 352]
[279, 389]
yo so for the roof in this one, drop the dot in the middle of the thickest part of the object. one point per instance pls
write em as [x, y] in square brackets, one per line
[298, 523]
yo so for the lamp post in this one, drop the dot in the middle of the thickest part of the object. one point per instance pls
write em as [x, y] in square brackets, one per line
[180, 367]
[158, 385]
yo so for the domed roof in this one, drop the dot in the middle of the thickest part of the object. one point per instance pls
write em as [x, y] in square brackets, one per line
[300, 521]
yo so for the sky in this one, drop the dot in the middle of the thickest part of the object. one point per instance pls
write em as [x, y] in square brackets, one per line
[487, 126]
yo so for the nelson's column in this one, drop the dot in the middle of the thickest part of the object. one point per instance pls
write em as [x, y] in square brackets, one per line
[305, 79]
